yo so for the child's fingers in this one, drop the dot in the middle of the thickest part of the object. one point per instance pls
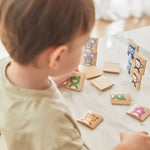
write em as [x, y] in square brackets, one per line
[123, 135]
[144, 132]
[77, 70]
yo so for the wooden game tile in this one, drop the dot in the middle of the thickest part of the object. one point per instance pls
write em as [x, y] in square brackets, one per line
[120, 99]
[101, 83]
[91, 72]
[136, 79]
[139, 64]
[111, 67]
[129, 66]
[88, 58]
[90, 119]
[132, 48]
[76, 82]
[139, 112]
[89, 53]
[91, 45]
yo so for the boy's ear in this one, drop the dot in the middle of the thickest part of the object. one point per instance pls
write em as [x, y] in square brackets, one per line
[56, 56]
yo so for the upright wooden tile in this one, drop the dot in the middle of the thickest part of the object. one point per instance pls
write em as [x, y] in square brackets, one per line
[89, 53]
[139, 112]
[132, 48]
[120, 99]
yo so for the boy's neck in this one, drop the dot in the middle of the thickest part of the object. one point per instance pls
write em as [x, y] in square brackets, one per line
[27, 76]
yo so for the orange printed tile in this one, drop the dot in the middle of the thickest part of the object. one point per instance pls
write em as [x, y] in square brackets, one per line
[90, 119]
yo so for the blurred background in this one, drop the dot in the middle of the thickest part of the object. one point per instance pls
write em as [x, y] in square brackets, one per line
[114, 16]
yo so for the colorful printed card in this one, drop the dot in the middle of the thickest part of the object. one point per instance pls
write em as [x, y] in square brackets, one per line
[120, 99]
[90, 119]
[139, 64]
[76, 82]
[132, 48]
[139, 112]
[89, 53]
[129, 66]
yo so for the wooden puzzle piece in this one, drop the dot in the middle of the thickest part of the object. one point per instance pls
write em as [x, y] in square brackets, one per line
[90, 119]
[76, 82]
[91, 72]
[129, 66]
[136, 79]
[139, 64]
[120, 99]
[101, 83]
[139, 112]
[111, 67]
[91, 45]
[89, 53]
[132, 48]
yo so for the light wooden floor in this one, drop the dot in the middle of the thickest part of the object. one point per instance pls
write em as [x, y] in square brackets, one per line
[104, 28]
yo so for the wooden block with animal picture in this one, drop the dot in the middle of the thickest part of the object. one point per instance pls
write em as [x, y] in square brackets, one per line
[132, 49]
[139, 64]
[136, 79]
[76, 82]
[129, 66]
[89, 53]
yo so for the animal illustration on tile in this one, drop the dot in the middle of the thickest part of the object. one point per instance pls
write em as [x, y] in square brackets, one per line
[139, 111]
[89, 118]
[138, 65]
[89, 45]
[135, 79]
[129, 66]
[131, 51]
[118, 96]
[74, 82]
[88, 58]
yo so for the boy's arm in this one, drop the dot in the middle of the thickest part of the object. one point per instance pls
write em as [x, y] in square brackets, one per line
[69, 136]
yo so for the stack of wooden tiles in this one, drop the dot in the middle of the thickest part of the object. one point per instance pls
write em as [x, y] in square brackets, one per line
[136, 64]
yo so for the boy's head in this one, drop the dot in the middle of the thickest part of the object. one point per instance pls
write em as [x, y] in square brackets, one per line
[30, 27]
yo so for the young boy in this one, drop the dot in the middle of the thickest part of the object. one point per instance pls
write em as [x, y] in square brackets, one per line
[44, 37]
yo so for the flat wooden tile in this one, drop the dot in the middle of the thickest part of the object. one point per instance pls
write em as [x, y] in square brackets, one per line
[91, 72]
[132, 49]
[139, 64]
[129, 66]
[120, 98]
[101, 83]
[111, 67]
[136, 79]
[139, 112]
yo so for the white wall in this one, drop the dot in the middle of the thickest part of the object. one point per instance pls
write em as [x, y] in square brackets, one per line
[115, 9]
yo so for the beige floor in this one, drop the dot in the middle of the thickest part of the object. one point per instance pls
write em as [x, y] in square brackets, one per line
[104, 28]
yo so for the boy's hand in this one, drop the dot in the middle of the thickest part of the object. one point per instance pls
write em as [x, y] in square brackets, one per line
[135, 141]
[59, 81]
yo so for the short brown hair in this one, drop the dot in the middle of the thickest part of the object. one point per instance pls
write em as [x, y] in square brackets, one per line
[27, 27]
